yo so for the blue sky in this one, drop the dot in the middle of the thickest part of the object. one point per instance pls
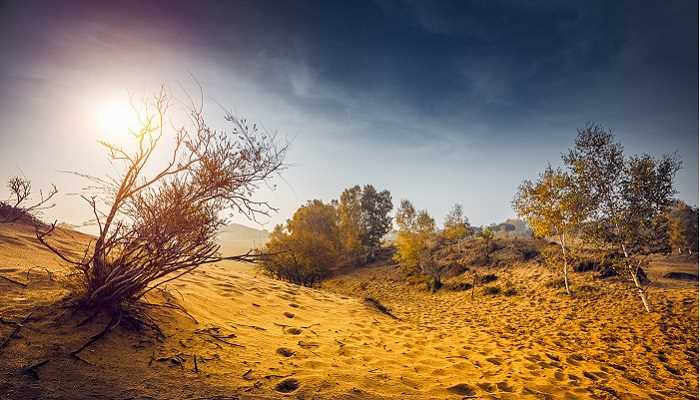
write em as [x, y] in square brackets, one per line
[439, 102]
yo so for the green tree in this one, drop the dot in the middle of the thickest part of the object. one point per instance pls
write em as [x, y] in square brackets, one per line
[376, 220]
[625, 197]
[552, 206]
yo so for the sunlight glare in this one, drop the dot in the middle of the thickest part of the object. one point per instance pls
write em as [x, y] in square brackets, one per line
[114, 121]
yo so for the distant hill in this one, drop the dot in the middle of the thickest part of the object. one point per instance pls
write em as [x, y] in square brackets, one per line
[237, 238]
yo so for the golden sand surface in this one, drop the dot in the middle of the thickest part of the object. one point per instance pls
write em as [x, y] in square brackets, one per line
[254, 337]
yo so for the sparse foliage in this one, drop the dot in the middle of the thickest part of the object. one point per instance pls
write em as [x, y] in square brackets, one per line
[16, 207]
[456, 225]
[416, 231]
[552, 207]
[486, 234]
[682, 221]
[157, 227]
[625, 196]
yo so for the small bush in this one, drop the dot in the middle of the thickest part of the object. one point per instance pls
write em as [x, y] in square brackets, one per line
[434, 284]
[416, 280]
[492, 290]
[555, 283]
[588, 289]
[459, 286]
[487, 278]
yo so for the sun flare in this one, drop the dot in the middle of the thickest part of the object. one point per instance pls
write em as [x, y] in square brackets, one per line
[115, 120]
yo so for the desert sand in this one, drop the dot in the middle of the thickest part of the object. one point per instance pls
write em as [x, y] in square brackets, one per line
[254, 337]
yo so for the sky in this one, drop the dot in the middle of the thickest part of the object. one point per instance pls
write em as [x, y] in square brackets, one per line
[439, 102]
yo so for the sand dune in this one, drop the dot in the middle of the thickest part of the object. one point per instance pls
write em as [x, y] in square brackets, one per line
[253, 337]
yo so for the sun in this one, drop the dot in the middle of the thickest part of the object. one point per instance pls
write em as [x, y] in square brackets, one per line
[115, 120]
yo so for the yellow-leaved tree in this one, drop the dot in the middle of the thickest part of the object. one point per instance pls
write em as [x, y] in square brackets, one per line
[307, 248]
[553, 207]
[456, 225]
[416, 230]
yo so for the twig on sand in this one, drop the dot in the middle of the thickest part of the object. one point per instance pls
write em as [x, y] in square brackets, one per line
[213, 332]
[464, 357]
[16, 330]
[196, 369]
[277, 376]
[219, 338]
[257, 328]
[13, 281]
[246, 375]
[116, 319]
[48, 273]
[374, 303]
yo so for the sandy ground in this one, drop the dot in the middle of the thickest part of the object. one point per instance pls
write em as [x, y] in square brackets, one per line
[253, 337]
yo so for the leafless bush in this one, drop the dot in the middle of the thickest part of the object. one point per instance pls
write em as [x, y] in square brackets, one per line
[154, 228]
[16, 207]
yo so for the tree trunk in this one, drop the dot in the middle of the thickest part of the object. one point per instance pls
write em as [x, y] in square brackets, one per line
[474, 284]
[566, 265]
[633, 272]
[640, 291]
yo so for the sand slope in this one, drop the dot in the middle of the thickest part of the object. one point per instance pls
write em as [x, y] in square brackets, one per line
[254, 337]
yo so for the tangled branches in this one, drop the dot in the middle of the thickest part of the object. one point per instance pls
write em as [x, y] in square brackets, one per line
[157, 227]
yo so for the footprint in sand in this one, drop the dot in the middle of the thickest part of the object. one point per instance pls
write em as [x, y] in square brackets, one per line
[486, 386]
[294, 305]
[504, 387]
[287, 386]
[288, 314]
[285, 352]
[462, 389]
[293, 331]
[590, 376]
[494, 360]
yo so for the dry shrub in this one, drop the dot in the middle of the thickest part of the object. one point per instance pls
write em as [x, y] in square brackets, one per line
[16, 209]
[484, 279]
[492, 290]
[156, 228]
[458, 286]
[555, 283]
